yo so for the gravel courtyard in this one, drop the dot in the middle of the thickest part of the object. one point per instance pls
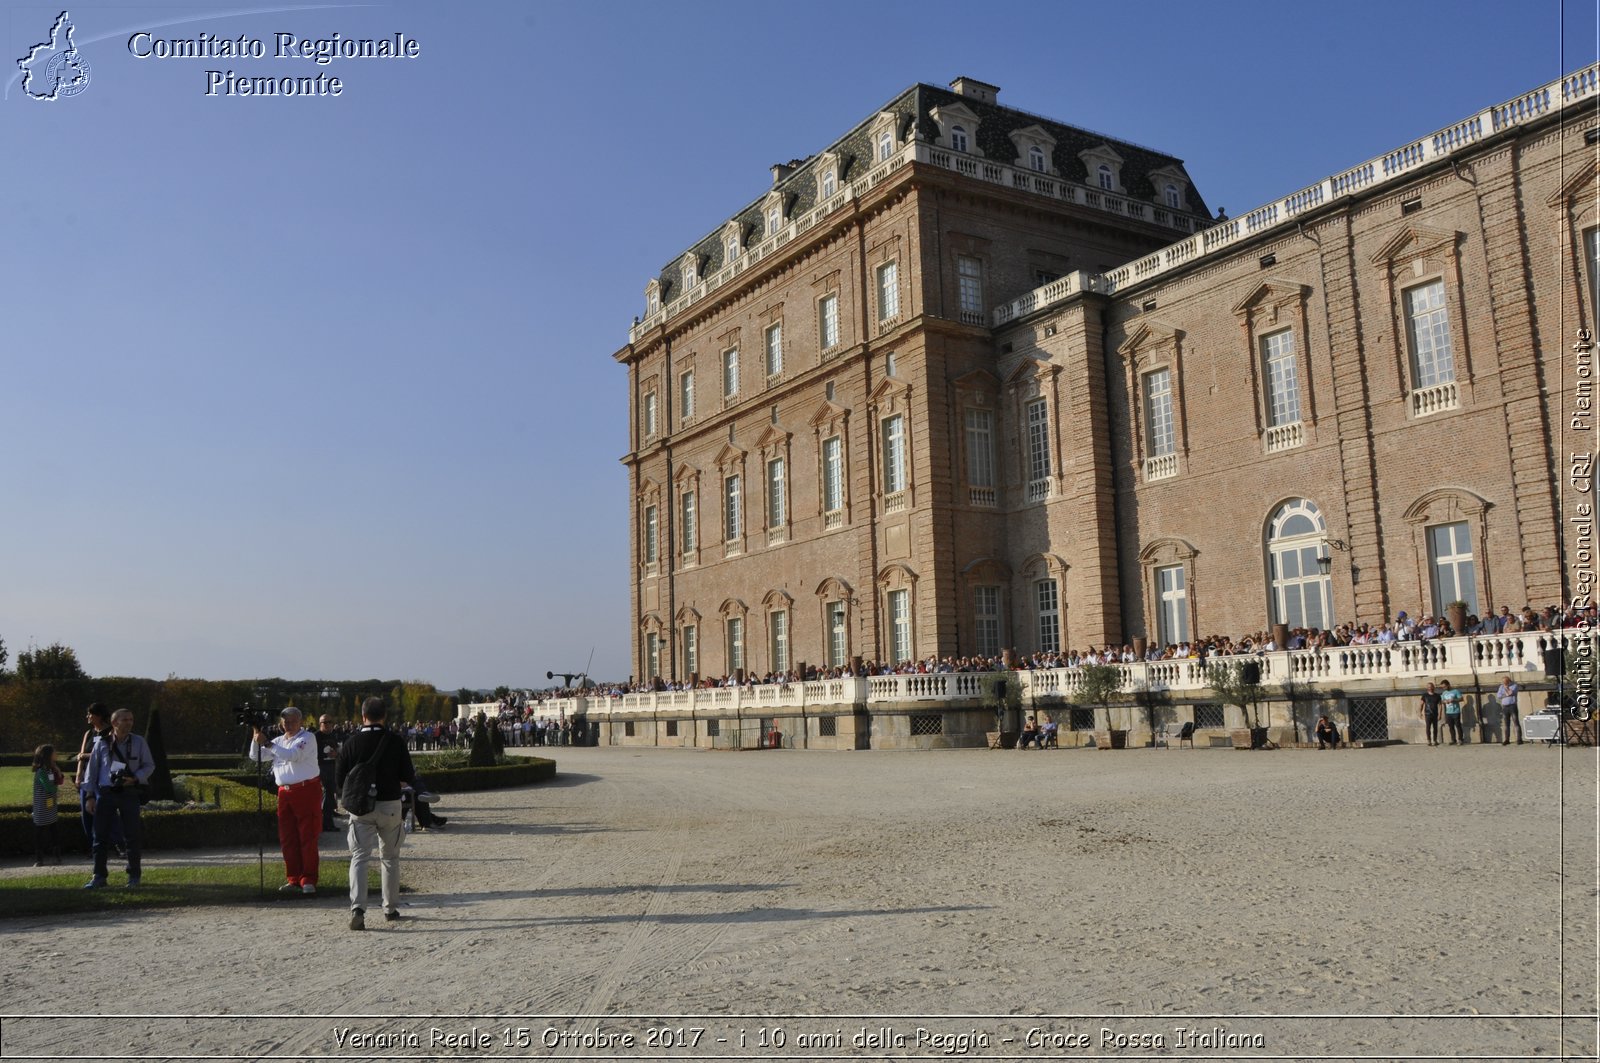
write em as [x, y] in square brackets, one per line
[1373, 903]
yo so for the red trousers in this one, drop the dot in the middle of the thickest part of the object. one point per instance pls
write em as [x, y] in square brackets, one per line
[299, 828]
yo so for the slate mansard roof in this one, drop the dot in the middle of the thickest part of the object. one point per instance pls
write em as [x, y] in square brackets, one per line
[913, 111]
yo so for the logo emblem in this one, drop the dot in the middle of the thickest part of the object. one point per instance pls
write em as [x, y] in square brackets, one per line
[55, 68]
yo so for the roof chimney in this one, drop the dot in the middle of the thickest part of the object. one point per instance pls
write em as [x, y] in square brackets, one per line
[780, 170]
[981, 91]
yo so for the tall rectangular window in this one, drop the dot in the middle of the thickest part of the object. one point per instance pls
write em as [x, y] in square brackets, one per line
[649, 535]
[652, 655]
[1428, 324]
[969, 282]
[649, 415]
[774, 337]
[735, 643]
[1048, 597]
[980, 448]
[986, 613]
[1172, 604]
[899, 626]
[1038, 440]
[686, 522]
[1161, 440]
[1591, 244]
[686, 395]
[1282, 377]
[832, 474]
[777, 511]
[894, 454]
[691, 651]
[780, 641]
[730, 372]
[888, 291]
[828, 321]
[838, 640]
[1450, 557]
[732, 524]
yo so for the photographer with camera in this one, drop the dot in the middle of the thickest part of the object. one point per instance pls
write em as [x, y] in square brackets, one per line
[118, 775]
[294, 769]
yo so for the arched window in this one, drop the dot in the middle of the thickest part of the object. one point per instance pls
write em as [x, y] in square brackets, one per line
[1036, 158]
[1173, 199]
[958, 138]
[1107, 182]
[885, 145]
[1301, 595]
[830, 184]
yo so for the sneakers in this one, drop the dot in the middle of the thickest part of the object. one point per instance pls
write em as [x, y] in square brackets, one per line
[390, 915]
[309, 890]
[133, 882]
[358, 919]
[95, 884]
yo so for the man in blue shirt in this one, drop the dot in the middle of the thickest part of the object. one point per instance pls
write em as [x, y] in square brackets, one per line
[118, 765]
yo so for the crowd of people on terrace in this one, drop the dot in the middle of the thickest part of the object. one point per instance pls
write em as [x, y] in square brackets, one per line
[1404, 627]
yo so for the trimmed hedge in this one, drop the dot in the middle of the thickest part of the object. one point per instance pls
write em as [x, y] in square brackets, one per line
[522, 772]
[187, 828]
[235, 821]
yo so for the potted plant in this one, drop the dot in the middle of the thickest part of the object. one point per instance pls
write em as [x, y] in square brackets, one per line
[1235, 685]
[1153, 700]
[1098, 683]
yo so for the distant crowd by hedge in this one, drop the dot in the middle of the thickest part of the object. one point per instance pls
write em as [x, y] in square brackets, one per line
[197, 715]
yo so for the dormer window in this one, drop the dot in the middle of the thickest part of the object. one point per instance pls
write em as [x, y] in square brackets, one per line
[958, 127]
[882, 135]
[691, 273]
[1172, 186]
[1104, 168]
[1035, 147]
[772, 213]
[830, 183]
[652, 297]
[730, 238]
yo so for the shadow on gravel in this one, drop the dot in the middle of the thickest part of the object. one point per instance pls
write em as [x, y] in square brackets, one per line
[542, 829]
[568, 778]
[686, 887]
[752, 915]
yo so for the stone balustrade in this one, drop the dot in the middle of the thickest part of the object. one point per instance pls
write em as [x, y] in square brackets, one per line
[1577, 88]
[1471, 660]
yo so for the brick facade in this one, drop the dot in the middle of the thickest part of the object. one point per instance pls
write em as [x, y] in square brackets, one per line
[1081, 486]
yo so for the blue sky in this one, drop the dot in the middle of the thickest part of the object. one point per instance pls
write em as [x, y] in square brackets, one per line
[323, 387]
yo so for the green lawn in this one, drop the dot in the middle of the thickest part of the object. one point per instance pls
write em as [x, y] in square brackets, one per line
[60, 892]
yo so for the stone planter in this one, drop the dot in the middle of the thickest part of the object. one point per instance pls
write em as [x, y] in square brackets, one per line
[1457, 615]
[1111, 739]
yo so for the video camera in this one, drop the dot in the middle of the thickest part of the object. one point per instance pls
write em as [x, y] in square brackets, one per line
[258, 719]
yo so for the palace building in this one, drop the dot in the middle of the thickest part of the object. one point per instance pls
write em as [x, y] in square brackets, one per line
[969, 379]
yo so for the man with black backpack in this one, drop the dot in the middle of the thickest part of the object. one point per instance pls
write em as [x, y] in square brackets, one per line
[371, 766]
